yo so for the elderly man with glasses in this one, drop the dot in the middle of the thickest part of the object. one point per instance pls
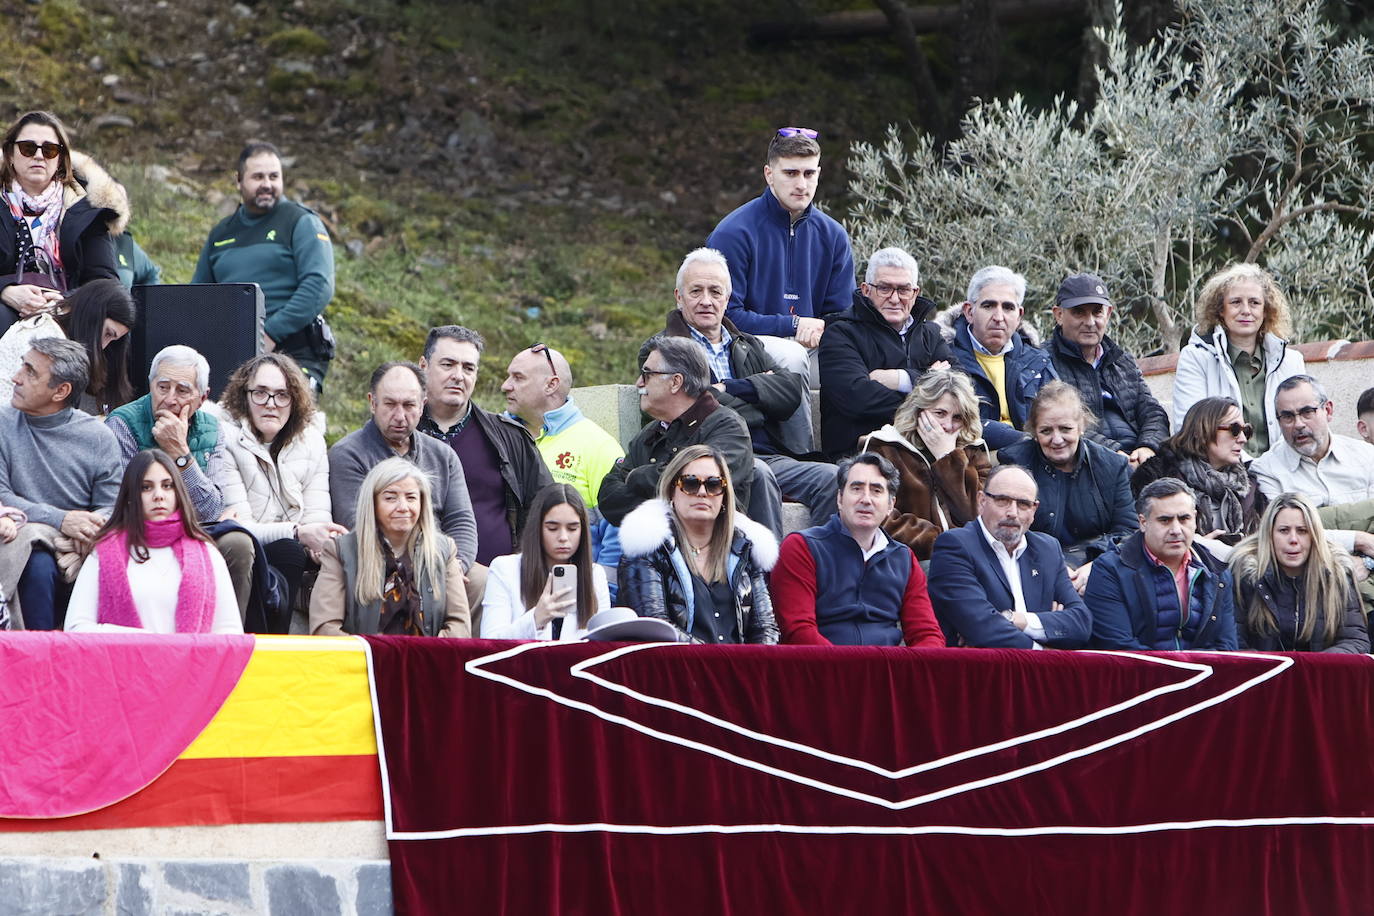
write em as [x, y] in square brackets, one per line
[994, 583]
[790, 264]
[875, 350]
[1328, 469]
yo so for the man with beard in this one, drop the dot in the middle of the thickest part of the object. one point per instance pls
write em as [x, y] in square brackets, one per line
[1328, 469]
[994, 583]
[283, 247]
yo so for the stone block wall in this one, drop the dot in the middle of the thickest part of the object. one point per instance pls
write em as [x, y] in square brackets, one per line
[40, 886]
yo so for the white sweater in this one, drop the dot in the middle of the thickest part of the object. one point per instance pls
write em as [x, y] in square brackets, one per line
[504, 615]
[154, 585]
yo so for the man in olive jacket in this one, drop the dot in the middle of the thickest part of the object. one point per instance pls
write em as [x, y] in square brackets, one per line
[674, 389]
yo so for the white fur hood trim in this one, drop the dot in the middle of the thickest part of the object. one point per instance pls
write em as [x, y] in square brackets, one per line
[646, 529]
[101, 190]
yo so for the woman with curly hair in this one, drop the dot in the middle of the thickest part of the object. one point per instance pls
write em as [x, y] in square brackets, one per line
[1239, 349]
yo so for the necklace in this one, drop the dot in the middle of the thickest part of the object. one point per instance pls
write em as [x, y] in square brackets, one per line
[696, 551]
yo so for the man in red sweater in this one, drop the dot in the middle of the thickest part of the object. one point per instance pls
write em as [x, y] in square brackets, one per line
[845, 583]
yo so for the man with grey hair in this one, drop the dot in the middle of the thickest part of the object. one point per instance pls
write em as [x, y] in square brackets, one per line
[169, 417]
[999, 353]
[1329, 469]
[60, 467]
[501, 465]
[1158, 590]
[675, 390]
[874, 351]
[845, 582]
[746, 379]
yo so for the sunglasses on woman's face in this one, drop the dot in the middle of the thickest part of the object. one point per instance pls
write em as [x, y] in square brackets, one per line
[1236, 429]
[30, 148]
[692, 485]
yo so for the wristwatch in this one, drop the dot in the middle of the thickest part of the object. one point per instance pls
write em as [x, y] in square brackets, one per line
[182, 461]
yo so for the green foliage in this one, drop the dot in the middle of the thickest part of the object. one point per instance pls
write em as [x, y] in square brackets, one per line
[63, 24]
[298, 41]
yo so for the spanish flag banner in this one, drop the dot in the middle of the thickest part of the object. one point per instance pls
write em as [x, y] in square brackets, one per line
[101, 731]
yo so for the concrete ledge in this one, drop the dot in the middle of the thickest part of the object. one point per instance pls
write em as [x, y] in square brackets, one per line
[134, 887]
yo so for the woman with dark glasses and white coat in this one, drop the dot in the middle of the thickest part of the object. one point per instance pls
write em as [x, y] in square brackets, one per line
[691, 558]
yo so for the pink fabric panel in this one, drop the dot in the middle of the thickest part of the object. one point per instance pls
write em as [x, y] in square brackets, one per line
[89, 719]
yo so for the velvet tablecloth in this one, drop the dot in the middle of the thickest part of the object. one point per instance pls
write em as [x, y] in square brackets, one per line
[599, 778]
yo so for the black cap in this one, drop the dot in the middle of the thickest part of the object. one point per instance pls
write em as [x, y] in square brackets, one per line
[1081, 289]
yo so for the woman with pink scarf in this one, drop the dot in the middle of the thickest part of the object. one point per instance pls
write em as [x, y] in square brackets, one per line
[64, 213]
[153, 568]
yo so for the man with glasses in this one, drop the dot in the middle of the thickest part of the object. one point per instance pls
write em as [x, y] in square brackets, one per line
[1132, 421]
[576, 451]
[999, 353]
[994, 583]
[1158, 591]
[874, 351]
[1328, 469]
[675, 390]
[748, 381]
[790, 264]
[845, 583]
[171, 417]
[502, 467]
[284, 248]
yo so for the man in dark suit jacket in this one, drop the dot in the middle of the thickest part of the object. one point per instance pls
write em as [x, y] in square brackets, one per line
[994, 583]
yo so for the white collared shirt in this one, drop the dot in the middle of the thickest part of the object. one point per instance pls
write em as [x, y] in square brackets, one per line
[1344, 475]
[1006, 348]
[1010, 568]
[879, 542]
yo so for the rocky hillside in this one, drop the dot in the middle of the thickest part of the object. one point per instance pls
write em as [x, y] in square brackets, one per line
[534, 170]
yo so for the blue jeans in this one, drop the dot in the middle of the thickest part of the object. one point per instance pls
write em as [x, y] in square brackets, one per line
[38, 591]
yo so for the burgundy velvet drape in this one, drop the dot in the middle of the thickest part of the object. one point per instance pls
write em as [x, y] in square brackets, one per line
[596, 778]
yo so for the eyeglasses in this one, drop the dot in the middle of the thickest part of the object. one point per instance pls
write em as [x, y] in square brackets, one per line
[1003, 501]
[1238, 429]
[806, 132]
[884, 291]
[263, 396]
[692, 485]
[30, 148]
[645, 372]
[1286, 417]
[544, 348]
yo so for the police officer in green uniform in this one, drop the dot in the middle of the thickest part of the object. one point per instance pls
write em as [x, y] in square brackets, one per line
[283, 247]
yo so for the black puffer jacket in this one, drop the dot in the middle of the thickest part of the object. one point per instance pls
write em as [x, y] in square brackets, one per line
[857, 341]
[1285, 601]
[1116, 372]
[655, 581]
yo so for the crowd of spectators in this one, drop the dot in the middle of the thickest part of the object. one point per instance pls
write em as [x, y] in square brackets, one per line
[969, 486]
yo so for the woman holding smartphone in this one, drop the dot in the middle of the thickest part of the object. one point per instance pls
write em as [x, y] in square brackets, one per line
[551, 588]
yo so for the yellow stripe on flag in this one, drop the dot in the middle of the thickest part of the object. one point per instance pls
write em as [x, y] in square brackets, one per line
[300, 696]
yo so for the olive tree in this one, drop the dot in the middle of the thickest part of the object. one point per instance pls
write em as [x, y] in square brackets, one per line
[1236, 133]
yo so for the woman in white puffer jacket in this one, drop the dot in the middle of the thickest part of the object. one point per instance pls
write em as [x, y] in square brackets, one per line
[265, 416]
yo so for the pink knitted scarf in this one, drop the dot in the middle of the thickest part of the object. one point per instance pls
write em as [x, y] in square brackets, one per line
[196, 596]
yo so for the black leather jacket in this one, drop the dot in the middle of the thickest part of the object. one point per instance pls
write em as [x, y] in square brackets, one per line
[655, 582]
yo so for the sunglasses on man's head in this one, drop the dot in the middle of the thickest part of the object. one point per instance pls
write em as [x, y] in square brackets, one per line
[544, 348]
[806, 132]
[1235, 429]
[30, 148]
[692, 485]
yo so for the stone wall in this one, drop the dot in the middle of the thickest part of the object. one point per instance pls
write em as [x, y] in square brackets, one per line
[38, 886]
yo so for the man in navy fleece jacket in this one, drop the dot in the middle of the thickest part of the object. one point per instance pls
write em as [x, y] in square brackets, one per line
[790, 264]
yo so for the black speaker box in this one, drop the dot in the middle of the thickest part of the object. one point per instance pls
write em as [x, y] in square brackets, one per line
[221, 321]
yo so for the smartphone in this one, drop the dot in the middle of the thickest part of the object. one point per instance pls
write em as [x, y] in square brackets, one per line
[564, 576]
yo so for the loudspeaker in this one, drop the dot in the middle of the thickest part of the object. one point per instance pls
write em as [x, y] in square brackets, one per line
[221, 321]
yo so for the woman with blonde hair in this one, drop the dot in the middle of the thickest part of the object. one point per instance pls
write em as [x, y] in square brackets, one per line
[935, 442]
[395, 572]
[691, 558]
[1084, 488]
[1295, 591]
[1239, 350]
